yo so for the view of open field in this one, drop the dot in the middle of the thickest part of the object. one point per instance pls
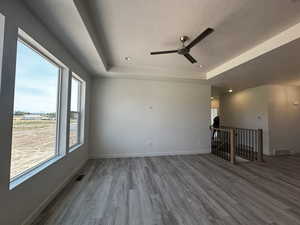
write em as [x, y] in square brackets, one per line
[33, 143]
[73, 137]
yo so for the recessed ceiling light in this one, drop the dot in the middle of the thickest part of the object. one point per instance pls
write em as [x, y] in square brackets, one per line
[200, 66]
[127, 58]
[230, 90]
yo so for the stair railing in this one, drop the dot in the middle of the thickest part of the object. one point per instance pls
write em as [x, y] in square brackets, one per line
[230, 142]
[223, 143]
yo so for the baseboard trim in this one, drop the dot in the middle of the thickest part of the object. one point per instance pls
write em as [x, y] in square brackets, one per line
[148, 154]
[34, 215]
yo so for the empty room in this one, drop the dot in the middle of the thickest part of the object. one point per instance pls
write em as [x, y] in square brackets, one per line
[142, 112]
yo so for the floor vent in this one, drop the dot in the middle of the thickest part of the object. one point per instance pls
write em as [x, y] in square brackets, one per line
[283, 152]
[80, 177]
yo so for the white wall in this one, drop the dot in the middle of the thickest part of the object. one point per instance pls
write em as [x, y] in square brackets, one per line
[273, 108]
[284, 117]
[142, 117]
[247, 109]
[24, 201]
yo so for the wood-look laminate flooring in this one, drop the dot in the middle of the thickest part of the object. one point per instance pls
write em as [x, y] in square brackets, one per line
[180, 190]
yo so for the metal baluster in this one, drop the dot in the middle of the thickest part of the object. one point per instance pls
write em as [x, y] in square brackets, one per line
[224, 145]
[246, 144]
[219, 143]
[248, 157]
[228, 146]
[253, 144]
[251, 149]
[239, 142]
[243, 138]
[222, 141]
[256, 144]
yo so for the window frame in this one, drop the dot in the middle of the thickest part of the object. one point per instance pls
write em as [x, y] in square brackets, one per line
[58, 151]
[80, 111]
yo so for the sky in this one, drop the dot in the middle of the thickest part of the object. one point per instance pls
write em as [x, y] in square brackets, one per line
[36, 86]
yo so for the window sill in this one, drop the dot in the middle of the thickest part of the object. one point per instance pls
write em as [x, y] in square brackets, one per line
[22, 178]
[75, 147]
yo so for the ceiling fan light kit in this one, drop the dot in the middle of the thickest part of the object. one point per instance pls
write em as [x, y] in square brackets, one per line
[185, 50]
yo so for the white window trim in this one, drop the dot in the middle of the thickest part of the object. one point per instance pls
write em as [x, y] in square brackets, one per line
[60, 151]
[81, 111]
[32, 172]
[40, 49]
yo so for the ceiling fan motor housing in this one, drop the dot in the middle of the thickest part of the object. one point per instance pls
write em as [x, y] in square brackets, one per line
[183, 51]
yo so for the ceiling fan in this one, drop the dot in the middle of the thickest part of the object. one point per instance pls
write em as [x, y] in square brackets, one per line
[185, 50]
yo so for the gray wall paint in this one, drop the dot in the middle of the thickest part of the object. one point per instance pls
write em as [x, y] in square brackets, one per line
[2, 20]
[26, 199]
[142, 117]
[247, 109]
[284, 117]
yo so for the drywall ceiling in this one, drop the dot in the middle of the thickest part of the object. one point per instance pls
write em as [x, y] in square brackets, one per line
[101, 33]
[280, 66]
[64, 21]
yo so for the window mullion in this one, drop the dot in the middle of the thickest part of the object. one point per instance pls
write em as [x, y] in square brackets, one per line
[68, 108]
[63, 112]
[58, 113]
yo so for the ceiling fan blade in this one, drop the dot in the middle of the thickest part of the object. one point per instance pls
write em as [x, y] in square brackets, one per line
[203, 35]
[190, 58]
[163, 52]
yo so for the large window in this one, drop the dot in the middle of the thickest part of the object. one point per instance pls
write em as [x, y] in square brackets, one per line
[76, 112]
[35, 120]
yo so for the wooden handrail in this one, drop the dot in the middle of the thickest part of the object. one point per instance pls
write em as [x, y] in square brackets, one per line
[221, 129]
